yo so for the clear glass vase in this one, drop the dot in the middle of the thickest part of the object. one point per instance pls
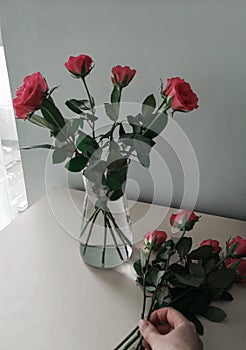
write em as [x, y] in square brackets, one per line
[106, 232]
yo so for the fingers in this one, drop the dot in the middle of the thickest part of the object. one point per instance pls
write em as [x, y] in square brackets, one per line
[168, 314]
[148, 331]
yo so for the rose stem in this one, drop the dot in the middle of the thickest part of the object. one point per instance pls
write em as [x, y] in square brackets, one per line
[114, 239]
[90, 231]
[131, 342]
[92, 107]
[118, 229]
[119, 232]
[126, 338]
[87, 223]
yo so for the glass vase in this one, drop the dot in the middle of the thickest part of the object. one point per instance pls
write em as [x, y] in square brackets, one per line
[106, 232]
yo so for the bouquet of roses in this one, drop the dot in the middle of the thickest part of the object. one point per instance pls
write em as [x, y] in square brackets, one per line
[172, 274]
[102, 157]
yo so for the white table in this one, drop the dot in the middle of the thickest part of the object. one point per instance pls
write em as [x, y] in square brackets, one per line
[50, 300]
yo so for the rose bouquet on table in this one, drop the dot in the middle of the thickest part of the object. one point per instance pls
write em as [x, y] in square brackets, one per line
[102, 157]
[172, 274]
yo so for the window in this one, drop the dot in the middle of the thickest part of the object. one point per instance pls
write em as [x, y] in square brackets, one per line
[13, 198]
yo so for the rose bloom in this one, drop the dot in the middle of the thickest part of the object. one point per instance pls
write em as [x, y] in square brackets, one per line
[184, 220]
[241, 269]
[241, 246]
[160, 236]
[122, 76]
[183, 98]
[79, 66]
[212, 242]
[30, 95]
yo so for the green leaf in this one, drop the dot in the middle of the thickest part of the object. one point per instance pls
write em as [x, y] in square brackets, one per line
[137, 267]
[190, 280]
[196, 270]
[76, 164]
[156, 276]
[91, 117]
[95, 171]
[184, 246]
[110, 112]
[47, 146]
[116, 178]
[40, 121]
[226, 296]
[59, 155]
[148, 105]
[114, 195]
[142, 258]
[64, 133]
[143, 150]
[150, 288]
[52, 114]
[155, 124]
[86, 142]
[75, 123]
[222, 278]
[192, 318]
[74, 106]
[214, 314]
[203, 252]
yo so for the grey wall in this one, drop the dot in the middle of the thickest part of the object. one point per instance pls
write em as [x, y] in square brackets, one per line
[202, 41]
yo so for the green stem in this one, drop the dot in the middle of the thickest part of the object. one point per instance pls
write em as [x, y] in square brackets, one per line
[131, 342]
[176, 244]
[91, 104]
[114, 239]
[119, 231]
[119, 234]
[126, 338]
[89, 220]
[90, 231]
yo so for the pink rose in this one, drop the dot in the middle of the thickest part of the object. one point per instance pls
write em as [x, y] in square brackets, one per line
[241, 246]
[30, 95]
[212, 242]
[240, 270]
[160, 237]
[79, 66]
[184, 220]
[122, 76]
[183, 98]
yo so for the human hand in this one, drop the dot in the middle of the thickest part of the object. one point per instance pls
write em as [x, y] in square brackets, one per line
[168, 329]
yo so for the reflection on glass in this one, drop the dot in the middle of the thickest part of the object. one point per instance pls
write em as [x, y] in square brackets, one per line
[12, 187]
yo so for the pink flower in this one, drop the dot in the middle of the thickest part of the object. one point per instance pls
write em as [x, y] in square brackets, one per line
[122, 76]
[79, 66]
[240, 270]
[184, 220]
[183, 98]
[212, 242]
[241, 246]
[160, 237]
[30, 95]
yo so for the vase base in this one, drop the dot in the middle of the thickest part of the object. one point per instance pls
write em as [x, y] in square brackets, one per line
[97, 256]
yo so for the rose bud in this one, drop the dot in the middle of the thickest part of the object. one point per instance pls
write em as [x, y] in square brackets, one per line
[30, 95]
[212, 242]
[122, 76]
[183, 98]
[240, 269]
[184, 220]
[240, 249]
[79, 66]
[158, 237]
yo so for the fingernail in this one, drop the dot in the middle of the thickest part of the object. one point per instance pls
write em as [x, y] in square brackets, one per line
[143, 324]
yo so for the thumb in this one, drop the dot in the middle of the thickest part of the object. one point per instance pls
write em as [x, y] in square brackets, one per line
[148, 331]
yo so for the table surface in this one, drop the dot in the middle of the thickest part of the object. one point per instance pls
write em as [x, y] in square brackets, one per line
[50, 300]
